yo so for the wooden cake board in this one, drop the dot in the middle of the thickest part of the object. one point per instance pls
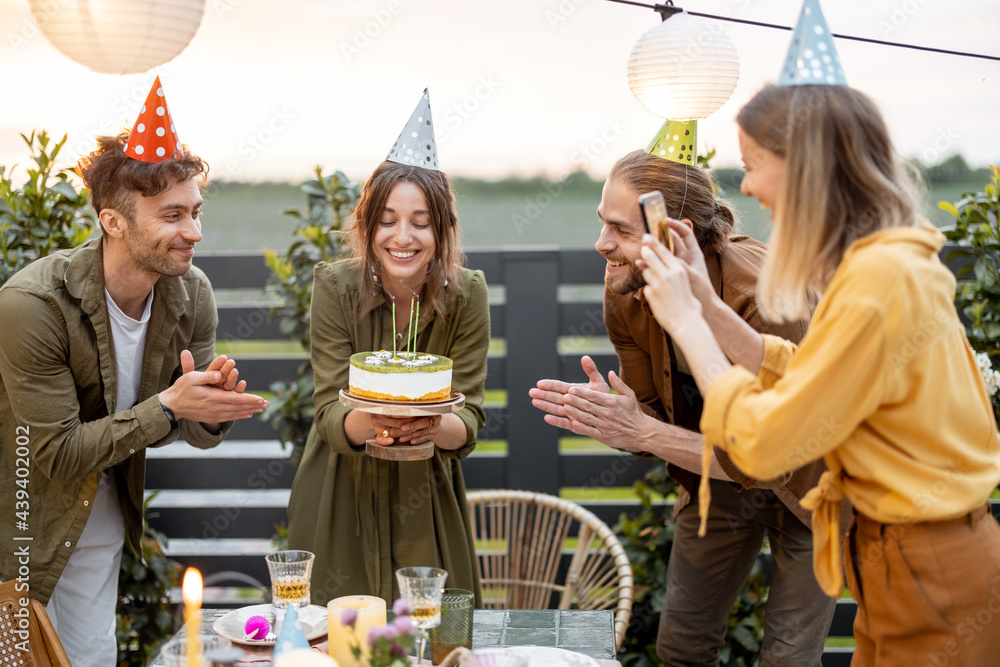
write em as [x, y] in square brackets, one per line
[401, 451]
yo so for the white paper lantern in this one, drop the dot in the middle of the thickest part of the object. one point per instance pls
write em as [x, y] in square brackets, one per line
[684, 68]
[119, 36]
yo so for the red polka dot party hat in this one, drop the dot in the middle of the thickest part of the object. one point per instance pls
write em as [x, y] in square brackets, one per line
[153, 137]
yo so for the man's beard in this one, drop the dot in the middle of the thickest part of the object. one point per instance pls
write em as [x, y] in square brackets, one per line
[630, 282]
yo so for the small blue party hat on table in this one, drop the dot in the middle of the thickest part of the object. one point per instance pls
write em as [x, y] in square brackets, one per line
[292, 635]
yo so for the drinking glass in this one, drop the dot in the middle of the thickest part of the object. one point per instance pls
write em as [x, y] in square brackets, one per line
[421, 588]
[455, 629]
[175, 653]
[290, 573]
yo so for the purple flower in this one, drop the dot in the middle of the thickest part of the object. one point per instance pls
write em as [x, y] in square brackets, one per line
[403, 625]
[401, 608]
[397, 650]
[349, 617]
[375, 633]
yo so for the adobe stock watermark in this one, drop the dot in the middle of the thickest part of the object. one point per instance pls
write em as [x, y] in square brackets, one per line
[562, 11]
[898, 16]
[364, 35]
[257, 141]
[223, 7]
[30, 26]
[585, 155]
[462, 110]
[946, 138]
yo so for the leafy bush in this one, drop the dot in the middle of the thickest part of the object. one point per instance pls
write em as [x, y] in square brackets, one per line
[45, 214]
[647, 538]
[976, 235]
[144, 618]
[330, 200]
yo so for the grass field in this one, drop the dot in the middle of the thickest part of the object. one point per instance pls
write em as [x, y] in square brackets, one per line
[248, 217]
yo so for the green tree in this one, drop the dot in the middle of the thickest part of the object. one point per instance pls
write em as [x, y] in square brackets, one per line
[976, 236]
[45, 214]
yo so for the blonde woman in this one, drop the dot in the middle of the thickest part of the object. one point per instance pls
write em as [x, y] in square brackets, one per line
[884, 385]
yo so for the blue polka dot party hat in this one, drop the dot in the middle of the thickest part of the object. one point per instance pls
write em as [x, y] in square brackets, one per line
[153, 137]
[676, 141]
[292, 636]
[812, 59]
[415, 145]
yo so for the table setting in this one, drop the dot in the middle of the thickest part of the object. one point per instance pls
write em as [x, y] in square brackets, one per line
[361, 631]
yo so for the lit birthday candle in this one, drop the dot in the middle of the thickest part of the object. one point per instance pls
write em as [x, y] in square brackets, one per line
[191, 590]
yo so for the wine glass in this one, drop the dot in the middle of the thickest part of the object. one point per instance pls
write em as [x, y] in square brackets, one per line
[421, 588]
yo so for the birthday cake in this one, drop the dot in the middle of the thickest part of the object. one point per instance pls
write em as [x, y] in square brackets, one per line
[405, 376]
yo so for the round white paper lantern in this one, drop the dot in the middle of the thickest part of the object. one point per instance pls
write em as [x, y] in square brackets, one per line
[684, 68]
[119, 36]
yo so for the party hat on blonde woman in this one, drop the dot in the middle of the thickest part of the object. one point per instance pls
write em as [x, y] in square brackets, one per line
[415, 145]
[812, 58]
[153, 137]
[677, 141]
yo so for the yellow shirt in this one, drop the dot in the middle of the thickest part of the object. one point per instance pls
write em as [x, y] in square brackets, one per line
[884, 386]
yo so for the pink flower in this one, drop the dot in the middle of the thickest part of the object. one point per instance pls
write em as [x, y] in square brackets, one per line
[397, 650]
[375, 633]
[400, 608]
[403, 625]
[349, 617]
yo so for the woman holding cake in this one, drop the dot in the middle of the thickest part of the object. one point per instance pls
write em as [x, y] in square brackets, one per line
[365, 517]
[884, 385]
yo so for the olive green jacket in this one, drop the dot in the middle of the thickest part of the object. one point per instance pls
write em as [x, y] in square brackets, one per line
[365, 517]
[58, 389]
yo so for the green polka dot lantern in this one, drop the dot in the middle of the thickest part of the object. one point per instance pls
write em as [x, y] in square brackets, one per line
[812, 59]
[415, 144]
[677, 141]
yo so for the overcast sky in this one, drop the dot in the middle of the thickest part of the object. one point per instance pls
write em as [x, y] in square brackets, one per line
[267, 90]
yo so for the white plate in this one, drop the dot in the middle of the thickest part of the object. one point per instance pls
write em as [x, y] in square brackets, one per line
[232, 625]
[544, 656]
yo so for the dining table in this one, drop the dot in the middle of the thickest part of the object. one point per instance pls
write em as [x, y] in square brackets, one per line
[589, 632]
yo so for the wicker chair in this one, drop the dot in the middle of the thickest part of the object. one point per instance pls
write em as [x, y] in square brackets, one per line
[521, 537]
[44, 647]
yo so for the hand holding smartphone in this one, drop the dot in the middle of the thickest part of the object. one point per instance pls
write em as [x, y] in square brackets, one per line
[654, 215]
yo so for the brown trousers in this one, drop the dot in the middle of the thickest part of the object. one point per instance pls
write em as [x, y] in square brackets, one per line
[928, 593]
[706, 574]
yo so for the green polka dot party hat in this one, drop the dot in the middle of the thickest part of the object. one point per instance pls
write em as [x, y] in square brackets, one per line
[676, 141]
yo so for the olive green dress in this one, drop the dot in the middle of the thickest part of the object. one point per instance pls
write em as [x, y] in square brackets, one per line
[365, 517]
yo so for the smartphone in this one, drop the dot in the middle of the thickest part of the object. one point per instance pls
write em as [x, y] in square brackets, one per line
[654, 215]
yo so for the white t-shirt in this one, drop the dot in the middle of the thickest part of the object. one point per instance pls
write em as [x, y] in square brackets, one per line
[130, 340]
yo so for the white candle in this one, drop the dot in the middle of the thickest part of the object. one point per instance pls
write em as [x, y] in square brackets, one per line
[371, 613]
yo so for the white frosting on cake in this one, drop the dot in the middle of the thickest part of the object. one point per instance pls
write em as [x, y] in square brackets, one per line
[400, 386]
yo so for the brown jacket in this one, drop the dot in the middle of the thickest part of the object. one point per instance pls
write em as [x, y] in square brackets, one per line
[651, 367]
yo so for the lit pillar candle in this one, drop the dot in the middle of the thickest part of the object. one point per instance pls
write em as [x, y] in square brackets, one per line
[371, 613]
[191, 590]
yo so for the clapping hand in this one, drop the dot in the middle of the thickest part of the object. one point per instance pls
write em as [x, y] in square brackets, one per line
[212, 396]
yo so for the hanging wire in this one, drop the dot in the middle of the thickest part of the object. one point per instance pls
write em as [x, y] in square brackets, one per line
[761, 24]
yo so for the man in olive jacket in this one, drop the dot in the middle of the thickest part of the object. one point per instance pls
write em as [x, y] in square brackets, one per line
[657, 410]
[98, 351]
